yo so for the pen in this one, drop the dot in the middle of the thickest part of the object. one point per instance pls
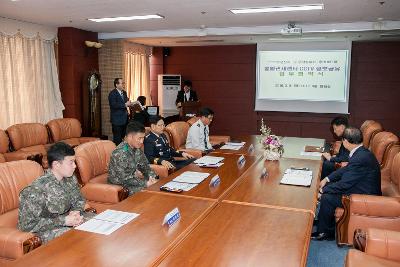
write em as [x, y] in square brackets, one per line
[300, 169]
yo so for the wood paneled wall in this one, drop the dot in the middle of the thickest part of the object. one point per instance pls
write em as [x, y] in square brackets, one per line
[224, 77]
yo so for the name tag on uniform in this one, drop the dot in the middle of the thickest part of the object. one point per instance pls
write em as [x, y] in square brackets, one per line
[250, 149]
[241, 161]
[215, 181]
[171, 217]
[158, 144]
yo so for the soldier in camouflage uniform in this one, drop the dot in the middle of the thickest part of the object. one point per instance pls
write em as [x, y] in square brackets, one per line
[128, 165]
[53, 203]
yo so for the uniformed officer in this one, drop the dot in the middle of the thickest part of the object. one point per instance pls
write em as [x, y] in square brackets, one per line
[157, 148]
[128, 165]
[53, 203]
[198, 135]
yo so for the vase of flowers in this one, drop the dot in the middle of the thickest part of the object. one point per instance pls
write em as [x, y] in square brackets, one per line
[271, 143]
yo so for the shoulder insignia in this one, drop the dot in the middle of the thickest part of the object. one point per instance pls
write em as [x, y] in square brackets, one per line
[126, 148]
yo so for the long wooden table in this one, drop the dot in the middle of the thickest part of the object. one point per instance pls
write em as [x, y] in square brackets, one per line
[139, 243]
[229, 174]
[238, 235]
[245, 221]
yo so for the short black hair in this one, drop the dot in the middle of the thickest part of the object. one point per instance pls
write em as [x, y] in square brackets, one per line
[134, 127]
[116, 81]
[206, 112]
[353, 135]
[142, 100]
[187, 83]
[154, 119]
[58, 151]
[340, 120]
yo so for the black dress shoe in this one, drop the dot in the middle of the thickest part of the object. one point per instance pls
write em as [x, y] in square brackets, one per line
[322, 236]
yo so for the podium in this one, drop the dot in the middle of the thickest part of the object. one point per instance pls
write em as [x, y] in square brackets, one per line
[189, 107]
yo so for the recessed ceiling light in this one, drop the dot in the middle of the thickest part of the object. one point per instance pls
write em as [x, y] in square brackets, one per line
[156, 16]
[277, 9]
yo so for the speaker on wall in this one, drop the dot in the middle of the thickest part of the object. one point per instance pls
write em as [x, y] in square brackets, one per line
[166, 51]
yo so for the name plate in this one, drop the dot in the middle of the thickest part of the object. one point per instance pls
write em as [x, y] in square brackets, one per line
[250, 149]
[171, 217]
[241, 161]
[215, 181]
[264, 173]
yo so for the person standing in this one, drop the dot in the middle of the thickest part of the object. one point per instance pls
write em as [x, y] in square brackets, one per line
[186, 95]
[118, 101]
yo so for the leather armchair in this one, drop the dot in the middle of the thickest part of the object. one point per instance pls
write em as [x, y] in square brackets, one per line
[68, 130]
[177, 133]
[214, 139]
[92, 160]
[14, 176]
[385, 145]
[31, 138]
[6, 155]
[382, 249]
[369, 128]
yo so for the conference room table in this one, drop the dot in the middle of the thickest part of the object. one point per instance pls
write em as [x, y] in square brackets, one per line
[247, 220]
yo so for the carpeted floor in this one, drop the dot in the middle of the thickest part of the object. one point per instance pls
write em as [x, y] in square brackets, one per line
[326, 254]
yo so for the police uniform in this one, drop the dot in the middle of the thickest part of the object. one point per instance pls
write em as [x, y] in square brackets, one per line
[124, 162]
[157, 149]
[198, 136]
[46, 202]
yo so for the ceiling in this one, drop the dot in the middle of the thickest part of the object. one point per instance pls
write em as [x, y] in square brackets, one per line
[200, 20]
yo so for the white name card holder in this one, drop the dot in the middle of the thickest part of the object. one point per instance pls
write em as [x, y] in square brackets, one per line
[171, 217]
[264, 173]
[241, 161]
[215, 181]
[250, 150]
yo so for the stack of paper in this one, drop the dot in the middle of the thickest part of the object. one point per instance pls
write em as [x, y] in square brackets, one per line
[107, 222]
[186, 181]
[233, 146]
[208, 161]
[311, 154]
[297, 177]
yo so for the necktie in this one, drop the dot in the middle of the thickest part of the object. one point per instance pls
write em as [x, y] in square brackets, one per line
[205, 138]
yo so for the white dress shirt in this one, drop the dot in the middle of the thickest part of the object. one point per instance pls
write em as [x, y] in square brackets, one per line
[196, 139]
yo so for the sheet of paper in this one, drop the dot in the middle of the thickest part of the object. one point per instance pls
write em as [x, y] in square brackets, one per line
[312, 154]
[177, 186]
[231, 147]
[209, 160]
[235, 144]
[297, 177]
[99, 226]
[191, 177]
[116, 216]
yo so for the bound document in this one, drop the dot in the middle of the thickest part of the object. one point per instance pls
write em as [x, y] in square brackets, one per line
[297, 177]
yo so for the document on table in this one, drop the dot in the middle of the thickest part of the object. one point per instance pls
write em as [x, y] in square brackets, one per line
[191, 177]
[297, 177]
[233, 146]
[179, 186]
[312, 154]
[107, 222]
[208, 160]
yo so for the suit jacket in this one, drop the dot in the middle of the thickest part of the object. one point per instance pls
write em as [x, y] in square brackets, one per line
[181, 96]
[118, 111]
[157, 149]
[361, 176]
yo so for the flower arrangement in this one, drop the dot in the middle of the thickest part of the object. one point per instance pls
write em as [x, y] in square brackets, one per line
[271, 143]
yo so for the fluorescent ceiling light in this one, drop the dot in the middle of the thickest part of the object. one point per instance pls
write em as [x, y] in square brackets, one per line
[277, 9]
[128, 18]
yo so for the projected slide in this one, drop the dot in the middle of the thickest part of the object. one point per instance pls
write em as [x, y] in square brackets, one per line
[303, 75]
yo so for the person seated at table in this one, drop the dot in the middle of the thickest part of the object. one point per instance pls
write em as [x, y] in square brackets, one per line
[361, 176]
[53, 203]
[185, 95]
[198, 135]
[139, 110]
[157, 148]
[128, 166]
[342, 157]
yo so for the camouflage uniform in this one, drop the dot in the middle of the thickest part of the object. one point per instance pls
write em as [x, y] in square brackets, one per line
[123, 164]
[46, 202]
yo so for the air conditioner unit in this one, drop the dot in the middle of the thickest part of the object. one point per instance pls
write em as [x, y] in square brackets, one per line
[168, 87]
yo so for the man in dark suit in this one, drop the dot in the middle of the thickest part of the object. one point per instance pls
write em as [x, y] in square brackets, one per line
[157, 148]
[187, 94]
[342, 157]
[361, 176]
[118, 101]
